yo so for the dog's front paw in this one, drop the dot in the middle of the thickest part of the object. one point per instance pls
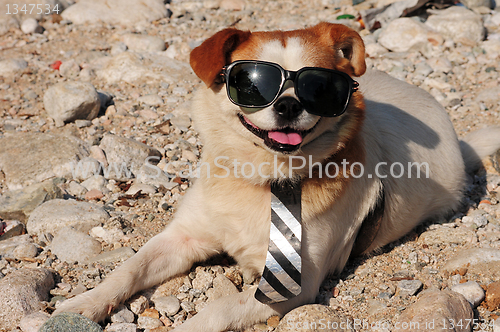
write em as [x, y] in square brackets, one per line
[88, 304]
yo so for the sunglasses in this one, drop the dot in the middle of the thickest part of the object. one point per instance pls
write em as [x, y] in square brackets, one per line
[257, 84]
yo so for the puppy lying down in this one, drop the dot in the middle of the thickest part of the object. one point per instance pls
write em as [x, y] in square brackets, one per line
[308, 159]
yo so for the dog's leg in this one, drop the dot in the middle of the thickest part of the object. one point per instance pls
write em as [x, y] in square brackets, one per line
[169, 253]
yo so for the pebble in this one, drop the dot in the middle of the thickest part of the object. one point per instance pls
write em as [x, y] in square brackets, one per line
[457, 23]
[183, 122]
[448, 235]
[434, 306]
[144, 322]
[26, 250]
[56, 214]
[203, 280]
[140, 187]
[117, 48]
[127, 153]
[167, 305]
[122, 327]
[222, 286]
[138, 304]
[143, 43]
[93, 182]
[409, 287]
[306, 318]
[125, 12]
[69, 321]
[33, 322]
[468, 257]
[403, 35]
[20, 294]
[471, 291]
[93, 195]
[113, 256]
[71, 100]
[69, 69]
[20, 203]
[70, 245]
[122, 315]
[11, 67]
[151, 100]
[30, 25]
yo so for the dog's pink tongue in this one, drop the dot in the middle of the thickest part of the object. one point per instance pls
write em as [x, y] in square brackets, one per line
[286, 138]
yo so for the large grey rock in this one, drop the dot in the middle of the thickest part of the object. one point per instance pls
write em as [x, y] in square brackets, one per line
[124, 12]
[27, 158]
[69, 101]
[308, 318]
[143, 43]
[404, 34]
[125, 154]
[69, 321]
[432, 309]
[20, 294]
[18, 204]
[457, 23]
[52, 216]
[11, 67]
[70, 245]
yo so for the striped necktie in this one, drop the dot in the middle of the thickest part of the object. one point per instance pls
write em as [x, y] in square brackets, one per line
[281, 279]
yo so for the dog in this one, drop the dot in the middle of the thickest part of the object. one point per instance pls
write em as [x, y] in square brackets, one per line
[298, 107]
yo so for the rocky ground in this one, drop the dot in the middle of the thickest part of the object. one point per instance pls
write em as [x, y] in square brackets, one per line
[124, 77]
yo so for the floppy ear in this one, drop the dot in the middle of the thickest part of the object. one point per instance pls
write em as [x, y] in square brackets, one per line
[214, 53]
[346, 42]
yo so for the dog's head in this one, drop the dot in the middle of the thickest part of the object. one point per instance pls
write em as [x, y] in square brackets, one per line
[281, 123]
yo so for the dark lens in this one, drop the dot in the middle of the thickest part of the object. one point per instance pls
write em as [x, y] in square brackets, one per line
[254, 84]
[323, 92]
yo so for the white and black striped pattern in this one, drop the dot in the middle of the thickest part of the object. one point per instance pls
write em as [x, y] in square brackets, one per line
[281, 279]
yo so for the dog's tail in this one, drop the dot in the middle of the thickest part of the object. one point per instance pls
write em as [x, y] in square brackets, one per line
[477, 145]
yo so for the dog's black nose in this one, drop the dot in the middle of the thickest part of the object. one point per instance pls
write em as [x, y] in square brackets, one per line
[288, 108]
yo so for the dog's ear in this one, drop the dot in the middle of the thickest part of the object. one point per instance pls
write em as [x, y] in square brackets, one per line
[346, 42]
[214, 53]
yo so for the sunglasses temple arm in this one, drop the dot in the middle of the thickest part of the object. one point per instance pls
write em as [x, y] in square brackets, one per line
[355, 86]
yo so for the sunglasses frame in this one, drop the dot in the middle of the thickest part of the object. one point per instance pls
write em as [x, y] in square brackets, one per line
[286, 75]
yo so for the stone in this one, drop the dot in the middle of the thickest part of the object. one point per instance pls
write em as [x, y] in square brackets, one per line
[149, 68]
[144, 322]
[490, 96]
[170, 287]
[492, 298]
[113, 256]
[127, 153]
[125, 12]
[374, 49]
[471, 291]
[138, 304]
[11, 228]
[95, 182]
[33, 322]
[20, 294]
[8, 246]
[448, 235]
[470, 257]
[154, 176]
[69, 321]
[409, 287]
[108, 235]
[122, 315]
[234, 5]
[11, 67]
[151, 100]
[93, 195]
[457, 23]
[28, 158]
[69, 69]
[140, 187]
[435, 306]
[56, 214]
[18, 204]
[71, 100]
[143, 43]
[404, 34]
[314, 317]
[203, 280]
[70, 245]
[122, 327]
[117, 48]
[477, 3]
[30, 25]
[167, 305]
[181, 121]
[76, 189]
[222, 286]
[25, 250]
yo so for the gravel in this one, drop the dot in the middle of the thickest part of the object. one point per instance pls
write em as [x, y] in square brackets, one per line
[143, 111]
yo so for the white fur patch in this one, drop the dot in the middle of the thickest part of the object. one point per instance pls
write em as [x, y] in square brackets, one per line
[290, 57]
